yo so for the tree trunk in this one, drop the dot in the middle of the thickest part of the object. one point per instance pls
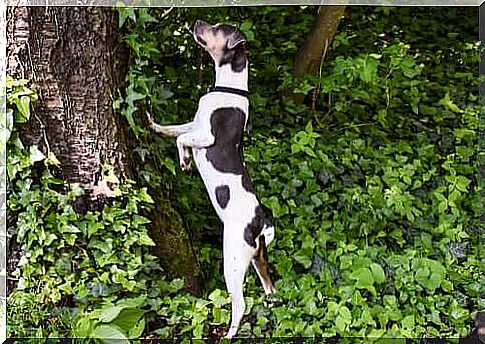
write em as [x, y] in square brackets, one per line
[318, 41]
[76, 60]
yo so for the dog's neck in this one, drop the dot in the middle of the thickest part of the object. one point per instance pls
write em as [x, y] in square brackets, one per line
[227, 78]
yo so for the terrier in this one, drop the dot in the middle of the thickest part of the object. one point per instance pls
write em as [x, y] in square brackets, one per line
[215, 136]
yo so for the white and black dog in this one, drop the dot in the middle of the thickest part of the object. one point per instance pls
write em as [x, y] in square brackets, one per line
[215, 136]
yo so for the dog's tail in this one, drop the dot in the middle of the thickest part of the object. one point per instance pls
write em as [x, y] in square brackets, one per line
[261, 264]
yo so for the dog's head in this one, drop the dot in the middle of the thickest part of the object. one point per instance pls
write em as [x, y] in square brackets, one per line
[223, 42]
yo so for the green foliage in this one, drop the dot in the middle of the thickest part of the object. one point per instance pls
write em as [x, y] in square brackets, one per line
[81, 275]
[374, 191]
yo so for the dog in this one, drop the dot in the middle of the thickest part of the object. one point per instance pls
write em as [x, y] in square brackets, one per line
[215, 136]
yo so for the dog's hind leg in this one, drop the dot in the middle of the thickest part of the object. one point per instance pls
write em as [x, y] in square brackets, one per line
[261, 265]
[237, 255]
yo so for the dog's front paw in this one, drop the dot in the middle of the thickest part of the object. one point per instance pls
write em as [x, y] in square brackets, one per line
[186, 164]
[151, 123]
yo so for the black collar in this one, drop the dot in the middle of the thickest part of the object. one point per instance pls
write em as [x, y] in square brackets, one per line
[229, 90]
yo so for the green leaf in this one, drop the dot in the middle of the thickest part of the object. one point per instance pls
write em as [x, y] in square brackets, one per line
[364, 278]
[52, 159]
[145, 240]
[109, 332]
[303, 258]
[448, 103]
[144, 196]
[125, 13]
[109, 314]
[345, 313]
[246, 25]
[408, 322]
[128, 318]
[170, 164]
[375, 333]
[434, 281]
[309, 127]
[408, 67]
[218, 299]
[341, 323]
[133, 96]
[23, 105]
[421, 276]
[136, 331]
[83, 327]
[132, 302]
[35, 154]
[462, 183]
[368, 72]
[378, 273]
[442, 206]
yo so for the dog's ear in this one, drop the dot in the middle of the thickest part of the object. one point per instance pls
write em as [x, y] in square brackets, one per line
[235, 39]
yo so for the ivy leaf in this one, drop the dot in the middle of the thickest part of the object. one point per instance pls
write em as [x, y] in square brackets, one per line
[125, 13]
[218, 300]
[303, 258]
[166, 93]
[462, 183]
[132, 95]
[35, 155]
[368, 73]
[109, 332]
[136, 331]
[83, 327]
[408, 322]
[448, 103]
[434, 281]
[109, 313]
[421, 276]
[364, 278]
[378, 273]
[408, 67]
[128, 318]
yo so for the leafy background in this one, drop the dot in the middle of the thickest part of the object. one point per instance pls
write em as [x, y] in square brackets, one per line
[374, 188]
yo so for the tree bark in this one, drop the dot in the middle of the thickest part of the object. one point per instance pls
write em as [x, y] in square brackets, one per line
[76, 60]
[317, 42]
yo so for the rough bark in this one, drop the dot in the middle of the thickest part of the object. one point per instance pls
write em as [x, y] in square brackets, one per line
[317, 42]
[76, 60]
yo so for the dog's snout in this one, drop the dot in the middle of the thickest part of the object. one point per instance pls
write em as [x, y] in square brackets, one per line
[199, 24]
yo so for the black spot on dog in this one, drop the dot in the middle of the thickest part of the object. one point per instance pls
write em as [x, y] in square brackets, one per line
[225, 29]
[236, 57]
[225, 154]
[254, 228]
[223, 195]
[246, 182]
